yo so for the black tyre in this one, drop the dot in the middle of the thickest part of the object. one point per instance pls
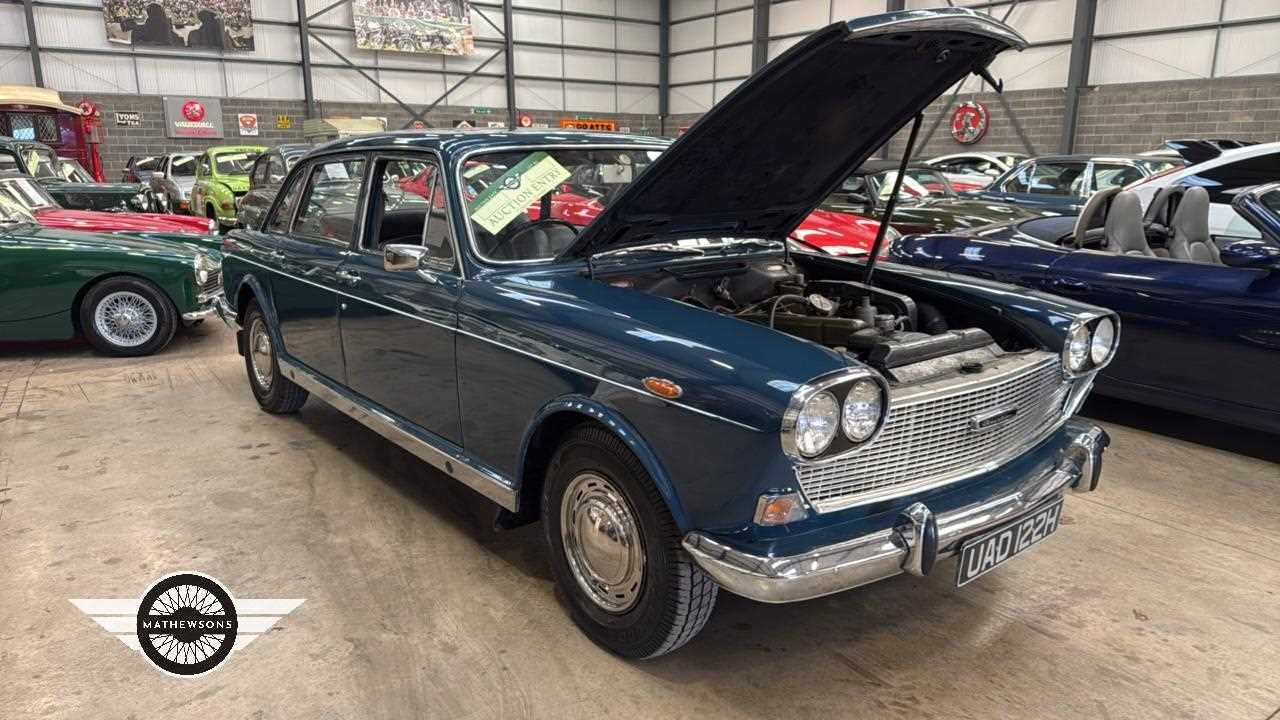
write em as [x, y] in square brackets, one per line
[615, 550]
[275, 392]
[127, 317]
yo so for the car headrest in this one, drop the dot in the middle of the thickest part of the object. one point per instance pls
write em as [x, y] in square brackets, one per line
[1124, 232]
[1192, 216]
[1090, 212]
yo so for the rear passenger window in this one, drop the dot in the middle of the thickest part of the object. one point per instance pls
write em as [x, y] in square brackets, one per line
[331, 199]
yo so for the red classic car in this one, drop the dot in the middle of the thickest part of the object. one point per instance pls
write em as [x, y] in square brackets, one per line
[823, 231]
[32, 197]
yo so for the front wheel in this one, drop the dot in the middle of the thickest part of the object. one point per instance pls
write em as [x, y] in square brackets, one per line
[615, 550]
[127, 317]
[274, 392]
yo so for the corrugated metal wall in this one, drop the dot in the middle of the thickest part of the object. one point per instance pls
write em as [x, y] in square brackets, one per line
[610, 63]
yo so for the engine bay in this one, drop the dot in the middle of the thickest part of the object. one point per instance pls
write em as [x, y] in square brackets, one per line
[906, 338]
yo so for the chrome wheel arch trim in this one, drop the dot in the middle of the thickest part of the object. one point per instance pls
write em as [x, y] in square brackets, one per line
[451, 462]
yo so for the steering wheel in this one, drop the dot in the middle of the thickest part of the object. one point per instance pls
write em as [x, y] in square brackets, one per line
[502, 242]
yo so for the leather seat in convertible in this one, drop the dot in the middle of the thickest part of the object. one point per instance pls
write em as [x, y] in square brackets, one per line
[1190, 239]
[1124, 232]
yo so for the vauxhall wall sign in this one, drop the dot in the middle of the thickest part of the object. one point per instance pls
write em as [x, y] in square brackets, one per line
[969, 122]
[192, 117]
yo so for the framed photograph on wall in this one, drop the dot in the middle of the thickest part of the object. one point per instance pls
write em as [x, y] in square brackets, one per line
[210, 24]
[441, 27]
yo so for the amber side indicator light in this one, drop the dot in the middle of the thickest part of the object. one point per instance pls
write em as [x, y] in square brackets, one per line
[662, 387]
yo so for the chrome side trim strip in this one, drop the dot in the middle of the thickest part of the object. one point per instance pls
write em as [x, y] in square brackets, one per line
[883, 554]
[453, 464]
[516, 350]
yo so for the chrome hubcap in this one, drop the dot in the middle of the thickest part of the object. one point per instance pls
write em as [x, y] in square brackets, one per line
[125, 318]
[602, 542]
[260, 354]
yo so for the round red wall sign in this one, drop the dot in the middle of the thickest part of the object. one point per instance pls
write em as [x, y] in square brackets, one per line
[969, 122]
[193, 111]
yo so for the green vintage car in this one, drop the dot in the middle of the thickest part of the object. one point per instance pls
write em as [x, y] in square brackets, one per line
[72, 189]
[126, 294]
[222, 178]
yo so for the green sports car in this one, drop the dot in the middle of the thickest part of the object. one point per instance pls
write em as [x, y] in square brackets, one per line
[222, 178]
[69, 183]
[126, 294]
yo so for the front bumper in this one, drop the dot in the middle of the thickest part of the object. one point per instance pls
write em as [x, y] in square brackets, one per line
[209, 303]
[916, 541]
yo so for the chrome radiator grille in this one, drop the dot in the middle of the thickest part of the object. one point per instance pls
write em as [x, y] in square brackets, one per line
[930, 439]
[213, 284]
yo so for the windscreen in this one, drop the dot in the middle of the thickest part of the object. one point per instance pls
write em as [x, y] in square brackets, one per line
[527, 205]
[236, 163]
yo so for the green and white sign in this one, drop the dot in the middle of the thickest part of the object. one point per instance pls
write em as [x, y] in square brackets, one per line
[510, 195]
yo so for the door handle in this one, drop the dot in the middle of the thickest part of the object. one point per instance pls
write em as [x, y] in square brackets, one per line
[275, 255]
[348, 277]
[1069, 285]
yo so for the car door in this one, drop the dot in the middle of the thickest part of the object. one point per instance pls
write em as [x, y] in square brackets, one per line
[305, 288]
[1188, 328]
[398, 326]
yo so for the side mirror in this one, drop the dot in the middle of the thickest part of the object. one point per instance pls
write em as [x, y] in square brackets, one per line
[398, 258]
[1254, 254]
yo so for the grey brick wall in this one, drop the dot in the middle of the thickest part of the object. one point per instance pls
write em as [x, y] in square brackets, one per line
[119, 143]
[1132, 118]
[1113, 118]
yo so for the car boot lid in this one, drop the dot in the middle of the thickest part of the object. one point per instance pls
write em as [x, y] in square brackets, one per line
[759, 161]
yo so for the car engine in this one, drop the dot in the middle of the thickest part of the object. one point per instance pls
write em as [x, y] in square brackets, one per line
[905, 339]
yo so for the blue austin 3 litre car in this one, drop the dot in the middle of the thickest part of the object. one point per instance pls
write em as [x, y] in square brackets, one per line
[683, 404]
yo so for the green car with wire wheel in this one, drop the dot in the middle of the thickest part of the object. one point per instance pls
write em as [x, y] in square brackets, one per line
[126, 294]
[222, 178]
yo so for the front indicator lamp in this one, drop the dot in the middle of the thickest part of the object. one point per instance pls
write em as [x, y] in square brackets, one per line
[780, 509]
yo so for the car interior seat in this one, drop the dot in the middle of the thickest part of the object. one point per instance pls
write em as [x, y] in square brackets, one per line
[1088, 230]
[1190, 239]
[1125, 235]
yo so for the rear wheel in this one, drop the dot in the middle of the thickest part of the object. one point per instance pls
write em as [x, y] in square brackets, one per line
[127, 317]
[274, 392]
[615, 550]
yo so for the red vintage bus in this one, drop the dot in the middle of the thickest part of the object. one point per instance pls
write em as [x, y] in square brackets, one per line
[32, 113]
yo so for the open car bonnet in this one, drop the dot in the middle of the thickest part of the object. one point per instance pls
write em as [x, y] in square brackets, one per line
[759, 161]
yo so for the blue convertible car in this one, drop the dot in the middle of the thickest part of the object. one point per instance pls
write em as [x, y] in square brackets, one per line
[1201, 315]
[682, 403]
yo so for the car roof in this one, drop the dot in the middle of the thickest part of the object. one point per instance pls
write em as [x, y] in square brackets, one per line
[988, 154]
[1081, 157]
[875, 166]
[6, 141]
[459, 140]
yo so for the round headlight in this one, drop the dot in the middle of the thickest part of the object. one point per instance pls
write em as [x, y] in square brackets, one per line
[817, 423]
[1078, 348]
[862, 408]
[1104, 337]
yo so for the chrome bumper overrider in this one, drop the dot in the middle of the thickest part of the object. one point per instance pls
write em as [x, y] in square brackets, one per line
[913, 545]
[208, 306]
[223, 308]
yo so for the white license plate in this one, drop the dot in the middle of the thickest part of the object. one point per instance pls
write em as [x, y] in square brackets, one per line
[983, 554]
